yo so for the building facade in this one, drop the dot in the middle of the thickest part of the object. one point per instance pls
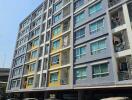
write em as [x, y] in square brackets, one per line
[73, 45]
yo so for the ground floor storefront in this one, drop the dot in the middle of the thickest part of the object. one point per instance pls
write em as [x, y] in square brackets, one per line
[82, 94]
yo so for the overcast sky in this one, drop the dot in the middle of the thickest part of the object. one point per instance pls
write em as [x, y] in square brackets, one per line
[12, 12]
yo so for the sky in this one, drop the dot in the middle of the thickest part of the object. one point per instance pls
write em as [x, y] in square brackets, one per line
[12, 12]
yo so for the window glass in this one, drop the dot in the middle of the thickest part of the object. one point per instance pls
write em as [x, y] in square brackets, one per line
[98, 46]
[95, 8]
[80, 52]
[80, 33]
[54, 77]
[96, 27]
[80, 73]
[79, 18]
[100, 70]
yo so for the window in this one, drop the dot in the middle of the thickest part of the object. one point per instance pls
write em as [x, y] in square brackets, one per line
[49, 12]
[17, 71]
[79, 18]
[39, 65]
[35, 42]
[15, 83]
[49, 22]
[80, 73]
[98, 46]
[32, 67]
[56, 30]
[34, 54]
[26, 22]
[80, 52]
[66, 11]
[30, 81]
[80, 33]
[57, 6]
[95, 8]
[56, 44]
[55, 60]
[46, 48]
[18, 83]
[78, 3]
[66, 25]
[96, 26]
[35, 32]
[53, 77]
[57, 17]
[100, 70]
[19, 60]
[47, 36]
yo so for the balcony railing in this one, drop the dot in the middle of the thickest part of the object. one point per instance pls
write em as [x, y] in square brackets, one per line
[123, 75]
[124, 68]
[114, 2]
[120, 41]
[120, 47]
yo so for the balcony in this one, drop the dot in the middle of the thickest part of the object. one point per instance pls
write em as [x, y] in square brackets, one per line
[36, 13]
[34, 33]
[27, 82]
[120, 41]
[31, 56]
[113, 2]
[64, 80]
[55, 61]
[59, 78]
[61, 29]
[45, 65]
[56, 45]
[60, 59]
[57, 31]
[33, 44]
[65, 57]
[66, 1]
[61, 43]
[43, 84]
[124, 68]
[29, 68]
[117, 18]
[66, 11]
[130, 11]
[66, 25]
[35, 23]
[37, 80]
[66, 40]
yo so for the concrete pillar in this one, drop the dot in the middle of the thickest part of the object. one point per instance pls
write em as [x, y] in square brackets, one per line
[128, 24]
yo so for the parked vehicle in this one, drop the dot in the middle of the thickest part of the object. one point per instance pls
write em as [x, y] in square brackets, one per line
[116, 98]
[52, 99]
[12, 99]
[30, 99]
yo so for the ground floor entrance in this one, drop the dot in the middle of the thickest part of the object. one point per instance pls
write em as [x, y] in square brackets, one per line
[82, 94]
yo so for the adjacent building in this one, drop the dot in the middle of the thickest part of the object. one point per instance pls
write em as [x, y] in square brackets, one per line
[4, 73]
[74, 45]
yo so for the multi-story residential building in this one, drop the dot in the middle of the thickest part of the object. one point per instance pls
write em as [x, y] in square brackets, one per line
[79, 45]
